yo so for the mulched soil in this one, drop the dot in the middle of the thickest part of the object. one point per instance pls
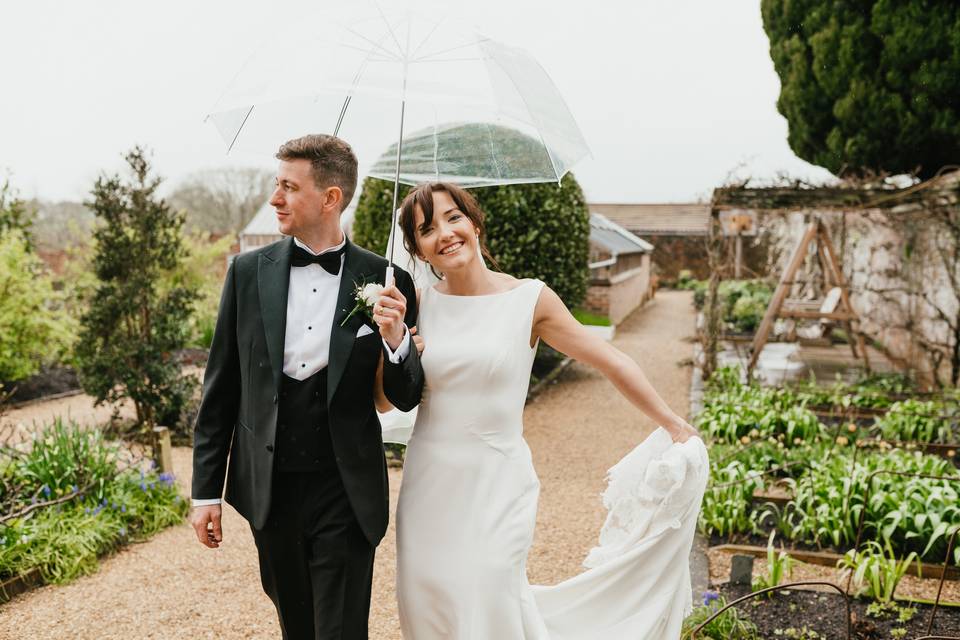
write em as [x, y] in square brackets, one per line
[50, 381]
[826, 613]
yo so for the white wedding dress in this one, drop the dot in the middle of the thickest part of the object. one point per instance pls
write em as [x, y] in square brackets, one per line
[468, 501]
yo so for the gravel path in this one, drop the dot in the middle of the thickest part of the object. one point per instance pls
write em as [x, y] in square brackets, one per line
[172, 587]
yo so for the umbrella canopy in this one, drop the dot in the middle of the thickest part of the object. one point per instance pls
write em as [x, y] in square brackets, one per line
[481, 112]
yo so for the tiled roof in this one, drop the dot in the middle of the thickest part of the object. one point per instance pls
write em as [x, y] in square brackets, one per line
[658, 219]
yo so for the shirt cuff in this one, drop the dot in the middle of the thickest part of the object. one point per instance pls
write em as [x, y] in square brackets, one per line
[403, 350]
[203, 502]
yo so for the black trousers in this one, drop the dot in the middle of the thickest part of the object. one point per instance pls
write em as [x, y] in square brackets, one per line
[315, 563]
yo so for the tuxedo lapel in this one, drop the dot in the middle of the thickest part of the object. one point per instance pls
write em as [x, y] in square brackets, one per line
[355, 272]
[273, 282]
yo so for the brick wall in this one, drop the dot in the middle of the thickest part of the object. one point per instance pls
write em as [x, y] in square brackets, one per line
[616, 297]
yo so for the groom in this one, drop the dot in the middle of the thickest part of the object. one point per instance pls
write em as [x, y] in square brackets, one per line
[288, 398]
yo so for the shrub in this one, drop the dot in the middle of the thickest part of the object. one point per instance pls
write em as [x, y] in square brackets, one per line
[139, 314]
[202, 269]
[35, 329]
[533, 230]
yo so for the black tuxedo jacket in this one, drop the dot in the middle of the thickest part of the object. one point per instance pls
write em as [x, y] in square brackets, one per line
[238, 410]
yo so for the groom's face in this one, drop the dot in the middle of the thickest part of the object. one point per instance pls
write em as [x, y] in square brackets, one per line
[302, 207]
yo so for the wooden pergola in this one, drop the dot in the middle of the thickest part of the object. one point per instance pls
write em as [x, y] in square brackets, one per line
[940, 191]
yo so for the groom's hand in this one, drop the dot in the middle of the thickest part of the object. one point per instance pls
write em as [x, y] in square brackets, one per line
[206, 523]
[388, 313]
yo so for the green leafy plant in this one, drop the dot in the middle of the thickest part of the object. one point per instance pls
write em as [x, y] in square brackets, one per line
[779, 566]
[913, 420]
[877, 570]
[803, 633]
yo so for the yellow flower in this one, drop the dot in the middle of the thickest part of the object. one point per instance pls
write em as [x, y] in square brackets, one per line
[851, 427]
[745, 439]
[754, 433]
[842, 441]
[951, 453]
[797, 441]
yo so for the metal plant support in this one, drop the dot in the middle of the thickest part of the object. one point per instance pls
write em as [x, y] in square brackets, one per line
[780, 587]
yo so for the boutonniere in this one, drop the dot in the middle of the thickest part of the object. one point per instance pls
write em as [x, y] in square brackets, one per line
[365, 295]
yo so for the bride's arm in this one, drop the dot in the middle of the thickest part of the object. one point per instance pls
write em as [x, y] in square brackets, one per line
[553, 323]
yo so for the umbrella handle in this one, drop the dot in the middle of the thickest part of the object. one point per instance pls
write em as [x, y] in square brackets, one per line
[388, 277]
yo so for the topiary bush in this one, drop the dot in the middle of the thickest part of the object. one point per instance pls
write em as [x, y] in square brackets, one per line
[533, 230]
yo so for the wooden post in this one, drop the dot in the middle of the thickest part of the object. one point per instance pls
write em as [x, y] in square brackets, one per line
[162, 450]
[711, 310]
[738, 265]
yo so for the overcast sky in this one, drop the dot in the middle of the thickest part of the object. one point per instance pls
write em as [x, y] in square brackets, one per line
[672, 96]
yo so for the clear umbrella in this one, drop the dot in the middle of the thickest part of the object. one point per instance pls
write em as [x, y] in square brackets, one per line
[481, 112]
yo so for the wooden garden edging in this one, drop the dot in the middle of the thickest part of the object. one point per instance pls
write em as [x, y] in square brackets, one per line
[830, 559]
[12, 587]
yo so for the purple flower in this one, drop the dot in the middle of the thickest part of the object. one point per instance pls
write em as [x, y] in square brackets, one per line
[33, 500]
[123, 531]
[709, 597]
[46, 490]
[87, 511]
[167, 479]
[74, 488]
[143, 486]
[103, 502]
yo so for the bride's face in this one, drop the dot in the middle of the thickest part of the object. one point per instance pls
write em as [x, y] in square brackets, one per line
[449, 241]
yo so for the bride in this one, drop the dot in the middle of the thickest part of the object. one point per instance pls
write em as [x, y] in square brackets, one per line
[468, 501]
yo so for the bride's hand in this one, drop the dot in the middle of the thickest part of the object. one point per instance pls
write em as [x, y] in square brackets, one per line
[417, 340]
[683, 431]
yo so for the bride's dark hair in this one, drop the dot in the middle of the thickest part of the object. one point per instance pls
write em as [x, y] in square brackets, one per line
[422, 197]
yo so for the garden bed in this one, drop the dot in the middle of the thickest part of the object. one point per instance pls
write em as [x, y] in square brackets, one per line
[825, 613]
[69, 497]
[50, 382]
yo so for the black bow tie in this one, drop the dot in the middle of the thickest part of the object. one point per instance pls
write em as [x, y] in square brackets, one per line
[330, 261]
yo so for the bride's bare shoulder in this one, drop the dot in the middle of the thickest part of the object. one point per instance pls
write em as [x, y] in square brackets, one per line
[505, 281]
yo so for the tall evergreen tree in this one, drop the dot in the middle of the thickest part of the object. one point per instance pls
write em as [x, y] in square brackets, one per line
[869, 85]
[138, 316]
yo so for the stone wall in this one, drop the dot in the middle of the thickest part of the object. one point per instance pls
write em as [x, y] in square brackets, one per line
[899, 286]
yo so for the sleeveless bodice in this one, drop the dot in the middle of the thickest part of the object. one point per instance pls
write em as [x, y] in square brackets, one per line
[477, 365]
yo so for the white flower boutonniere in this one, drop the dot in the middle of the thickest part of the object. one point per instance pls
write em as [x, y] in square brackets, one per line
[366, 295]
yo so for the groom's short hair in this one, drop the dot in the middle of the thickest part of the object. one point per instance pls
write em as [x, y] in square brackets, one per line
[332, 161]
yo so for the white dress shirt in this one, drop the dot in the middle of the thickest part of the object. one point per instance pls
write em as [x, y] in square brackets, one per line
[311, 306]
